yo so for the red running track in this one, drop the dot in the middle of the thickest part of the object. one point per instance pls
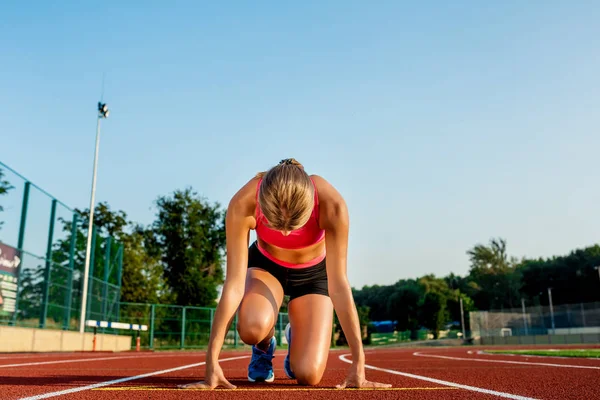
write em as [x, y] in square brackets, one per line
[415, 373]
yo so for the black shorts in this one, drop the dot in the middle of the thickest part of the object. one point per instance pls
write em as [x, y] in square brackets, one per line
[295, 282]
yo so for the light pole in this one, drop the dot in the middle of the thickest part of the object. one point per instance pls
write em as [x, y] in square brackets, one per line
[102, 113]
[524, 316]
[598, 269]
[551, 310]
[462, 320]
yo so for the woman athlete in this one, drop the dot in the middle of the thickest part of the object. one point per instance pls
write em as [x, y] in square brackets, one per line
[298, 219]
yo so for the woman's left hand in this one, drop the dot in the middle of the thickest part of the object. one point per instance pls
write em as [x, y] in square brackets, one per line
[356, 379]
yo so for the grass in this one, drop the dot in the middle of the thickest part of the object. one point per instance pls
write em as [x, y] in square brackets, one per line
[587, 353]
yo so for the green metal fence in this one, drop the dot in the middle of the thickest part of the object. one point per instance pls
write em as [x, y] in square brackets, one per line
[178, 327]
[42, 253]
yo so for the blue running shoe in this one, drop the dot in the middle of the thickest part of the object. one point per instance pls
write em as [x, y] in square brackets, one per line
[286, 364]
[261, 365]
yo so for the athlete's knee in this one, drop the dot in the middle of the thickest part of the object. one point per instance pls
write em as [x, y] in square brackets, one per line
[307, 373]
[253, 327]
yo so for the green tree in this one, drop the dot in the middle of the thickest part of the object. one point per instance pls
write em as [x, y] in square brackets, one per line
[30, 294]
[434, 313]
[460, 283]
[453, 306]
[494, 280]
[404, 303]
[572, 277]
[364, 322]
[142, 280]
[374, 297]
[107, 222]
[460, 287]
[191, 235]
[142, 271]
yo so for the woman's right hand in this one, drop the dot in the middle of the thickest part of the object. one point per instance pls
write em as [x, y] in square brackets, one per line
[214, 378]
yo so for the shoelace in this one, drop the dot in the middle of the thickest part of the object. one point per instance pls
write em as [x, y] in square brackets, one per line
[262, 360]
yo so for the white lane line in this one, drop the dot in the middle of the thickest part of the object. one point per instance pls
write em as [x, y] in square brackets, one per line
[72, 360]
[25, 356]
[484, 353]
[441, 382]
[66, 355]
[417, 354]
[21, 356]
[129, 378]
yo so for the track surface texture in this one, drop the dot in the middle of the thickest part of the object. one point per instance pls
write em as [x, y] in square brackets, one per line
[415, 373]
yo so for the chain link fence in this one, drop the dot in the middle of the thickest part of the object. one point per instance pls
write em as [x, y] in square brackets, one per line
[42, 253]
[564, 319]
[179, 327]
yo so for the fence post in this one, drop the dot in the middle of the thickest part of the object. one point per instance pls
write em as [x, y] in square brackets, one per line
[119, 277]
[47, 268]
[183, 327]
[333, 328]
[68, 300]
[279, 326]
[152, 307]
[20, 243]
[235, 334]
[462, 319]
[107, 245]
[24, 208]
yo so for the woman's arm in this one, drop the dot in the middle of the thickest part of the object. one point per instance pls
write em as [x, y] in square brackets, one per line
[335, 220]
[238, 222]
[237, 230]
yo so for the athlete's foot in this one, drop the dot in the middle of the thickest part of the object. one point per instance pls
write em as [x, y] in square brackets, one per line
[261, 364]
[264, 345]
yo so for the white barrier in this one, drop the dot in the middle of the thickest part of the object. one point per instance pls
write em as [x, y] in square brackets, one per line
[116, 325]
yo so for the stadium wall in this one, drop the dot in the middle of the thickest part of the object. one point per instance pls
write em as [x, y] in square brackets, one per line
[18, 339]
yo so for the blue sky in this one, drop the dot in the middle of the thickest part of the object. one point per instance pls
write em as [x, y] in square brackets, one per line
[443, 125]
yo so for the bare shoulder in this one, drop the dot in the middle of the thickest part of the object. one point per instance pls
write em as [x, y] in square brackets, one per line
[327, 192]
[332, 206]
[243, 203]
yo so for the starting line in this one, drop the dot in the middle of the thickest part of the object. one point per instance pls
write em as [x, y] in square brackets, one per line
[265, 389]
[121, 380]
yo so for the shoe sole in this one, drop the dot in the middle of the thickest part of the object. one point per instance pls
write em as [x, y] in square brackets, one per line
[271, 379]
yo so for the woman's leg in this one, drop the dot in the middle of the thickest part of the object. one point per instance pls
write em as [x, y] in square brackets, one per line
[311, 319]
[259, 308]
[256, 321]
